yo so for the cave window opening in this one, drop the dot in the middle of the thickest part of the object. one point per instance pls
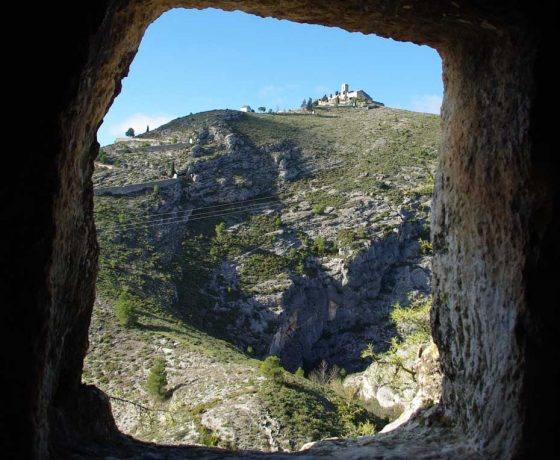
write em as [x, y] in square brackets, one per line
[256, 254]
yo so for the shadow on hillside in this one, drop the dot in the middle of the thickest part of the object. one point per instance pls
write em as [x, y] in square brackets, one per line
[327, 320]
[263, 170]
[323, 319]
[153, 328]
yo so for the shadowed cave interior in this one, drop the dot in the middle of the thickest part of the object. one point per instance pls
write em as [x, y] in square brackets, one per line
[494, 229]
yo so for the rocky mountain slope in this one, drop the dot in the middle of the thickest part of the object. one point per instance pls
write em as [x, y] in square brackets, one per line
[292, 235]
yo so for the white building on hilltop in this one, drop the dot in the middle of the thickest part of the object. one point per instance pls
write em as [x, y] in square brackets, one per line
[347, 98]
[246, 108]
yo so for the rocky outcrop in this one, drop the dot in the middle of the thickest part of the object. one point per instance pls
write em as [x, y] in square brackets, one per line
[333, 314]
[397, 389]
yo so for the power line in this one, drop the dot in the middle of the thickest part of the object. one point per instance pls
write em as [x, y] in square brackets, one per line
[270, 197]
[188, 212]
[185, 216]
[186, 219]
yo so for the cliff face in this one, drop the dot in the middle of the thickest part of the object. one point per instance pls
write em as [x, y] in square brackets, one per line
[333, 314]
[271, 241]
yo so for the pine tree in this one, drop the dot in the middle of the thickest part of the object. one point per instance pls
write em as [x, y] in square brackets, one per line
[309, 105]
[272, 369]
[130, 132]
[156, 383]
[125, 310]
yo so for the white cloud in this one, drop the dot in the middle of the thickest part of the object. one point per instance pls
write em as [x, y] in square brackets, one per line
[138, 122]
[428, 103]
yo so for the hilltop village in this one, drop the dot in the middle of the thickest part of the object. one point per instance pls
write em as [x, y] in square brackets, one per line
[343, 98]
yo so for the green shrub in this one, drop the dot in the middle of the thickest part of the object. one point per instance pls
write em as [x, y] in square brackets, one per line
[102, 156]
[309, 412]
[413, 320]
[156, 189]
[300, 372]
[318, 209]
[296, 260]
[220, 230]
[425, 247]
[261, 266]
[425, 231]
[125, 310]
[207, 437]
[348, 236]
[156, 383]
[366, 429]
[345, 237]
[320, 245]
[272, 369]
[413, 325]
[425, 189]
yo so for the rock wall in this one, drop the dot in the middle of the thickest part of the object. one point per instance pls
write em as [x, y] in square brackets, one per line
[483, 224]
[396, 390]
[496, 218]
[334, 314]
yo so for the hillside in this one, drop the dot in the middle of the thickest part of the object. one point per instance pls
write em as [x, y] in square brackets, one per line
[292, 235]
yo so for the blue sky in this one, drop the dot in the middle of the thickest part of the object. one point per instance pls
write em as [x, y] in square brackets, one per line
[195, 60]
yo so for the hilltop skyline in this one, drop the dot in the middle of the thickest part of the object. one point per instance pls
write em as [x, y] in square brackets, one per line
[195, 60]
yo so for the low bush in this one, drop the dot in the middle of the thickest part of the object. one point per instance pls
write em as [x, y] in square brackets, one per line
[322, 247]
[272, 369]
[102, 156]
[309, 412]
[156, 383]
[425, 247]
[413, 325]
[125, 310]
[261, 266]
[318, 209]
[208, 437]
[347, 237]
[414, 319]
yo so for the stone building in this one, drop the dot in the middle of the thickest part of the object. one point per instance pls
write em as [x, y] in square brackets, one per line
[345, 97]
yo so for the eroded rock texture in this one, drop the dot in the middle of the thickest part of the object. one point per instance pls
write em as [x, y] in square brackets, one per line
[495, 220]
